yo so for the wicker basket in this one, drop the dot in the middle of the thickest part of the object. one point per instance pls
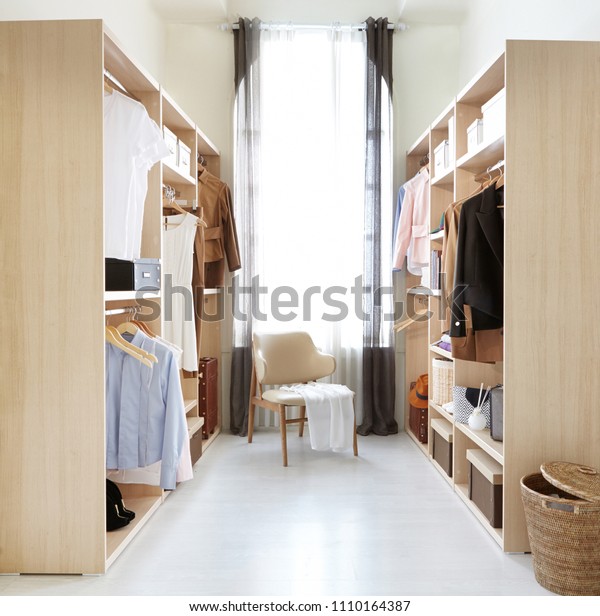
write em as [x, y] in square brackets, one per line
[564, 534]
[443, 380]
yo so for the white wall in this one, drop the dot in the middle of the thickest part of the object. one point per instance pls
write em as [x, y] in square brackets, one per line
[199, 76]
[490, 22]
[134, 22]
[425, 82]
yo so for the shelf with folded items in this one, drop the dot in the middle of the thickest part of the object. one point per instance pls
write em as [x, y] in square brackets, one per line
[462, 489]
[438, 236]
[442, 411]
[483, 439]
[436, 349]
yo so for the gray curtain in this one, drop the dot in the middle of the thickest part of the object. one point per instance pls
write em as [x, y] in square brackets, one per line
[246, 191]
[378, 355]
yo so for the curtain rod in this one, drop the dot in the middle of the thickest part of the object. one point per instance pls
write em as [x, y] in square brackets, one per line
[400, 26]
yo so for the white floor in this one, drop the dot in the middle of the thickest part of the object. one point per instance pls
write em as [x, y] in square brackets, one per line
[385, 523]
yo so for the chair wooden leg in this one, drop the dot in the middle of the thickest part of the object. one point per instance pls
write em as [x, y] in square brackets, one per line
[355, 438]
[283, 428]
[302, 416]
[251, 406]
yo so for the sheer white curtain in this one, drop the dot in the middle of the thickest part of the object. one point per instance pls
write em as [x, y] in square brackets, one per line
[310, 223]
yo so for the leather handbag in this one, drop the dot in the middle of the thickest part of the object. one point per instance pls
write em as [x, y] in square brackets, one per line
[465, 400]
[497, 413]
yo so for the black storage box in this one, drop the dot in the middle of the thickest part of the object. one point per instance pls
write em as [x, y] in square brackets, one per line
[485, 485]
[136, 275]
[442, 444]
[497, 413]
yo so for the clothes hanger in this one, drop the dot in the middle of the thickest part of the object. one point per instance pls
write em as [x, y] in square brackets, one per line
[142, 325]
[172, 204]
[116, 340]
[127, 327]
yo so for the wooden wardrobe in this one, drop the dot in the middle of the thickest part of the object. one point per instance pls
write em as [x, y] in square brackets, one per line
[551, 367]
[52, 292]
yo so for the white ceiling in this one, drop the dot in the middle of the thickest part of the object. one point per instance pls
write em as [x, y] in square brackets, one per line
[312, 11]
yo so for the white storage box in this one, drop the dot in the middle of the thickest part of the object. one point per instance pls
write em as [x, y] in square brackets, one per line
[494, 113]
[440, 158]
[474, 135]
[184, 158]
[171, 141]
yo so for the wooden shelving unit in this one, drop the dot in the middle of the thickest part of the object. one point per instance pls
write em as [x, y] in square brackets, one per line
[53, 304]
[543, 130]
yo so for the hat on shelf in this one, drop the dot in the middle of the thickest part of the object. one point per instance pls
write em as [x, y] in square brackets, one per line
[419, 394]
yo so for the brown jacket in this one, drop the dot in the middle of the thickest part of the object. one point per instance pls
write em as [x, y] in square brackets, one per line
[220, 237]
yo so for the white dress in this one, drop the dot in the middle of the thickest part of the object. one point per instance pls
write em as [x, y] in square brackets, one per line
[178, 300]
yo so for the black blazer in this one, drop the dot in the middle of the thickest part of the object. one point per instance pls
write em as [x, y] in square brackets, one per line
[479, 273]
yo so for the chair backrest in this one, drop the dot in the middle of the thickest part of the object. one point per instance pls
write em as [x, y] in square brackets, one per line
[281, 359]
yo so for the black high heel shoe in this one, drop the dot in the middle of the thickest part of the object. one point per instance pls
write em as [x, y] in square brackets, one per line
[112, 491]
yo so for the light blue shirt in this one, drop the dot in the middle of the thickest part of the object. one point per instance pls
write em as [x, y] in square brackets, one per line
[145, 410]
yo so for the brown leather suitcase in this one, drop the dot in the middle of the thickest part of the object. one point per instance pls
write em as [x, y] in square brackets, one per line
[208, 393]
[417, 421]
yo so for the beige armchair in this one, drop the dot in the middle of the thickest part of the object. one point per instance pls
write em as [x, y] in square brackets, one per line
[284, 359]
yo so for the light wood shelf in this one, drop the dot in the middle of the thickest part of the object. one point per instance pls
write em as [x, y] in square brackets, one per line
[422, 446]
[440, 409]
[194, 424]
[435, 349]
[173, 175]
[483, 439]
[445, 179]
[118, 296]
[463, 493]
[190, 404]
[442, 472]
[486, 155]
[437, 237]
[117, 540]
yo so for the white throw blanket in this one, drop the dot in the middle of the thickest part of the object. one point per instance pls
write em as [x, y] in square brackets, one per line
[330, 414]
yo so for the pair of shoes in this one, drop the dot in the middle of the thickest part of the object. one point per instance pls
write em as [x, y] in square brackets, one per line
[117, 515]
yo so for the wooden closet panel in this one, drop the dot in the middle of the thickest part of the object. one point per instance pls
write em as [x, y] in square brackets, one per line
[52, 447]
[552, 218]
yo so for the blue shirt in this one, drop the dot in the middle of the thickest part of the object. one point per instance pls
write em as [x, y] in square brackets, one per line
[145, 410]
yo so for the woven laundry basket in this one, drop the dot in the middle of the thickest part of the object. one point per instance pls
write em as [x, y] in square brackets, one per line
[443, 380]
[562, 510]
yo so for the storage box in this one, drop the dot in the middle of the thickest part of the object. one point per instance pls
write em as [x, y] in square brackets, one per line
[440, 158]
[497, 413]
[208, 393]
[417, 421]
[184, 159]
[474, 135]
[136, 275]
[442, 380]
[485, 485]
[196, 446]
[442, 444]
[494, 117]
[171, 141]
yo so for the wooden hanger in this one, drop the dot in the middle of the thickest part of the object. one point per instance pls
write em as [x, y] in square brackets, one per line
[144, 328]
[130, 328]
[113, 337]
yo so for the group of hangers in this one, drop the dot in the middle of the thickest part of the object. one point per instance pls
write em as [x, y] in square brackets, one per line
[114, 335]
[485, 180]
[170, 202]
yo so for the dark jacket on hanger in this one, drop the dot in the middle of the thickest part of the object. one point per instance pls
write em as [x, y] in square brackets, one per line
[479, 273]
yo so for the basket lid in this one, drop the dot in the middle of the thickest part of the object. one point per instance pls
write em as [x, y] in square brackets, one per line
[577, 479]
